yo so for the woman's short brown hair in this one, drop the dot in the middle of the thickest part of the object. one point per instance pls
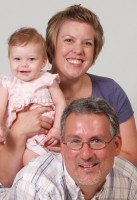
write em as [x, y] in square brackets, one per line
[73, 13]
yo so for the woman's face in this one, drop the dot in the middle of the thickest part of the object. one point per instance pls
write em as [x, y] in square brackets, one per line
[74, 49]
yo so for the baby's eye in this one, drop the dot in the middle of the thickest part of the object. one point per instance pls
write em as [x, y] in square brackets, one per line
[17, 59]
[32, 59]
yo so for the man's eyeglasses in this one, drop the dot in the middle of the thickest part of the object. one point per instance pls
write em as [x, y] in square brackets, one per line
[95, 143]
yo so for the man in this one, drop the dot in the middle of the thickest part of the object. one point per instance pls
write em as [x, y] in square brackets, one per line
[86, 168]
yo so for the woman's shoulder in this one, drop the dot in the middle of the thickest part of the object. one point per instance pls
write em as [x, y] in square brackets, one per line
[105, 84]
[113, 93]
[102, 79]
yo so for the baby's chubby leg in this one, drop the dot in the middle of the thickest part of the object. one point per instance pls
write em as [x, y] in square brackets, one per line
[28, 156]
[34, 148]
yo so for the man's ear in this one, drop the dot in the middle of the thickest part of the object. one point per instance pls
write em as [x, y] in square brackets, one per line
[118, 144]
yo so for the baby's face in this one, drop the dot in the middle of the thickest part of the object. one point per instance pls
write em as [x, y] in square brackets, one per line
[26, 61]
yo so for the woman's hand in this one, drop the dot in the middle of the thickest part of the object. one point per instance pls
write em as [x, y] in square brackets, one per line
[30, 123]
[27, 124]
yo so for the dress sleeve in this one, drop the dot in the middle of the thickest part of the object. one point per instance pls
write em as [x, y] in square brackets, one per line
[48, 78]
[5, 81]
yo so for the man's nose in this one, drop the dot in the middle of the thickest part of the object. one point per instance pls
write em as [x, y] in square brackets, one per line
[86, 152]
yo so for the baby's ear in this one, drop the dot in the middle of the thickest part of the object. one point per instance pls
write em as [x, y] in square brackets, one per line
[44, 62]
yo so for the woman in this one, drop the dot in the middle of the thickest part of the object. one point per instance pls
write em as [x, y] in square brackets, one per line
[74, 39]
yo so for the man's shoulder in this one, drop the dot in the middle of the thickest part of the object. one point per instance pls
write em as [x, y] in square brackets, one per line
[42, 178]
[121, 181]
[126, 169]
[49, 164]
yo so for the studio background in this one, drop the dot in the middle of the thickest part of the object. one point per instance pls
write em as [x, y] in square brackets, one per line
[118, 59]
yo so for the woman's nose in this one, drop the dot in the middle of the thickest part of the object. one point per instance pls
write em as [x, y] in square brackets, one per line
[78, 48]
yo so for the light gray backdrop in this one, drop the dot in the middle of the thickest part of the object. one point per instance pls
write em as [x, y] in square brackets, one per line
[118, 58]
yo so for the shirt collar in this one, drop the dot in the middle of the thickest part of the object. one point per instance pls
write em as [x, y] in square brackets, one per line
[73, 189]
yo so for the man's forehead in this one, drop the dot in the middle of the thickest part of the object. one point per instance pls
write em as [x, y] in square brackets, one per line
[87, 125]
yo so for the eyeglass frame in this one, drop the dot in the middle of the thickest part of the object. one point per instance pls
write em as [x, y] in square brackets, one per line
[88, 143]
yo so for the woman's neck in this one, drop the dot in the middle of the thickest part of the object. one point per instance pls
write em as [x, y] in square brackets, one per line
[79, 88]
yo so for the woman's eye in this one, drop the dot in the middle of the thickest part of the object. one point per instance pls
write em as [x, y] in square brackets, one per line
[68, 40]
[88, 44]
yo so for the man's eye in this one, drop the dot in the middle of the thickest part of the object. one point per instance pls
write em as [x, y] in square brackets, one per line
[75, 141]
[96, 141]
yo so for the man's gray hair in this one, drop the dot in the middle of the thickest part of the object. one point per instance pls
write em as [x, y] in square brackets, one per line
[92, 106]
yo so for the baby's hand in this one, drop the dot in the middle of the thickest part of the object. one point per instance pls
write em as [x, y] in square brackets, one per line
[2, 135]
[53, 137]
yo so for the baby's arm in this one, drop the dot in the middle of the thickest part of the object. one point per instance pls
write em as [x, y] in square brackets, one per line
[3, 107]
[60, 103]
